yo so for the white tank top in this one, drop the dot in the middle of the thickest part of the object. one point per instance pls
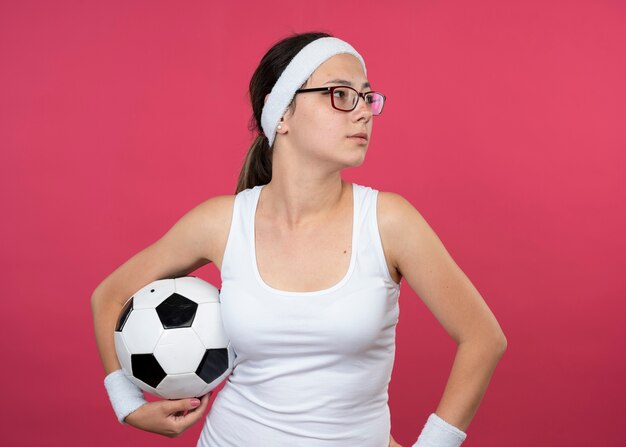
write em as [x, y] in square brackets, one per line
[312, 368]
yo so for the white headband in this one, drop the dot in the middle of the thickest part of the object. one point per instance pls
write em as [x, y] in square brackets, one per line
[297, 72]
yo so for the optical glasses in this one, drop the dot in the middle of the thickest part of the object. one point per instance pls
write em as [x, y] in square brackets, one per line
[346, 98]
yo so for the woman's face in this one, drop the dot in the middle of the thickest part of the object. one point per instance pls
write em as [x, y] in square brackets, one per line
[321, 133]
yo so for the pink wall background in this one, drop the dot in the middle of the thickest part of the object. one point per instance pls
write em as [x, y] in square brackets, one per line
[505, 126]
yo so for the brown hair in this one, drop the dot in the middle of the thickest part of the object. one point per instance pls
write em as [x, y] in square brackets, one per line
[257, 167]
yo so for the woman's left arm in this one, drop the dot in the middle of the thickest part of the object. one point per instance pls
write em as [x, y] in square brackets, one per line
[415, 251]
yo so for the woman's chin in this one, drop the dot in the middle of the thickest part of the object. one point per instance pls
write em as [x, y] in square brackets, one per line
[357, 160]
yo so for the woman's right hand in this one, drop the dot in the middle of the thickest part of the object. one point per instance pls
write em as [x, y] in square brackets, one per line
[169, 417]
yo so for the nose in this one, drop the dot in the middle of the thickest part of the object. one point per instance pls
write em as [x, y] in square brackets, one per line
[362, 110]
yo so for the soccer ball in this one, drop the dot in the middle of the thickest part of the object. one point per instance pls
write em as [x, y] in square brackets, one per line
[170, 340]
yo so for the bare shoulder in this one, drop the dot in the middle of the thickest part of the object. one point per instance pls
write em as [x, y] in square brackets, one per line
[213, 214]
[200, 235]
[216, 208]
[213, 219]
[395, 213]
[392, 204]
[401, 227]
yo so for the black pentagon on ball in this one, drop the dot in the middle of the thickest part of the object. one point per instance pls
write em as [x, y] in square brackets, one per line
[213, 364]
[176, 311]
[147, 369]
[121, 321]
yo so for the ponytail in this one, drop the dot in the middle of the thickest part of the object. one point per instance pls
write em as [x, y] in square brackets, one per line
[257, 168]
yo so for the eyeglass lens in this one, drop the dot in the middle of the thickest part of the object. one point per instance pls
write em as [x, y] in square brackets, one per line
[346, 99]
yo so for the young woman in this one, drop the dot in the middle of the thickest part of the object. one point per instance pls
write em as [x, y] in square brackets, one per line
[311, 268]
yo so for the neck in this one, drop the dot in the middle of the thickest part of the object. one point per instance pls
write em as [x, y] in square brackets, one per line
[298, 200]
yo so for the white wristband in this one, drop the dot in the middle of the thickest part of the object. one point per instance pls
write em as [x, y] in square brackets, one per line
[438, 433]
[125, 396]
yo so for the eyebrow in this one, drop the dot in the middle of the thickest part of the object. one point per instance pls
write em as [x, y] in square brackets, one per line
[348, 83]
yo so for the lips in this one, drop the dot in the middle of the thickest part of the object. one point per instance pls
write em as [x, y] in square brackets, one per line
[359, 135]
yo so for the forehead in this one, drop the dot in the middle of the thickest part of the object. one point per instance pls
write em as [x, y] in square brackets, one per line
[340, 66]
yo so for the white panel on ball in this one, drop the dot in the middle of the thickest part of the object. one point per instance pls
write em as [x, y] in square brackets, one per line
[201, 291]
[208, 325]
[142, 331]
[179, 351]
[179, 386]
[153, 294]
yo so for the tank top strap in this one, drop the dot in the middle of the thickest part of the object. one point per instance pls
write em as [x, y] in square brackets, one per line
[237, 253]
[372, 256]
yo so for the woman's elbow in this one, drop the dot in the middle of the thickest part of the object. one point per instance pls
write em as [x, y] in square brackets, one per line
[495, 338]
[499, 343]
[98, 297]
[492, 343]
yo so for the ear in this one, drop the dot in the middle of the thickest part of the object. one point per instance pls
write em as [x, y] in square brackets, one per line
[283, 127]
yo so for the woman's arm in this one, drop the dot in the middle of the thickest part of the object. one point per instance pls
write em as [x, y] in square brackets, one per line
[196, 239]
[419, 256]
